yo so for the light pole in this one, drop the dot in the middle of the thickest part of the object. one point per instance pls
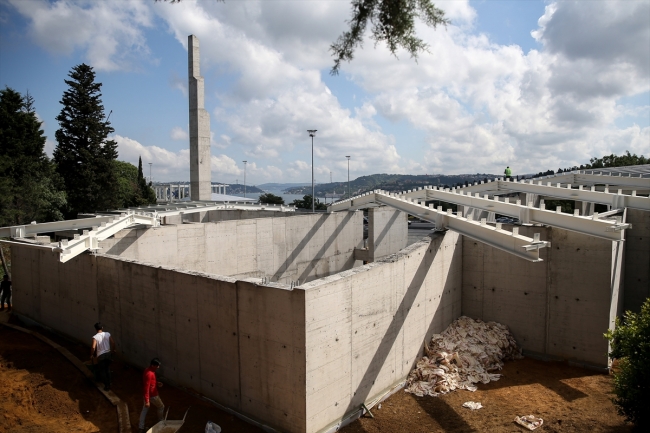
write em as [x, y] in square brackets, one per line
[312, 133]
[150, 180]
[348, 176]
[245, 178]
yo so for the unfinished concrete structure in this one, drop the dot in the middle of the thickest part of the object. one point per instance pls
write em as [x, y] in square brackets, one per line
[278, 319]
[293, 321]
[199, 126]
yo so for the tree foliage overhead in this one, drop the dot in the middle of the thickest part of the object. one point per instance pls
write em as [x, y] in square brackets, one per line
[30, 190]
[630, 344]
[391, 21]
[85, 158]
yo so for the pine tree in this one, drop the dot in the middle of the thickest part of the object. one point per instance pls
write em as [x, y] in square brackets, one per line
[30, 189]
[146, 192]
[84, 157]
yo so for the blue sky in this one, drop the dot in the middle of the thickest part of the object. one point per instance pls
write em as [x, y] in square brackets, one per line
[530, 84]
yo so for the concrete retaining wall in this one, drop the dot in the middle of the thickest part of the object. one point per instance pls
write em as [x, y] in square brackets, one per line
[365, 328]
[284, 249]
[559, 308]
[238, 343]
[387, 232]
[637, 260]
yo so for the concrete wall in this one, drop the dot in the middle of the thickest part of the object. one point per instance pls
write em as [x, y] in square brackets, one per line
[637, 260]
[365, 328]
[560, 307]
[284, 249]
[238, 343]
[387, 232]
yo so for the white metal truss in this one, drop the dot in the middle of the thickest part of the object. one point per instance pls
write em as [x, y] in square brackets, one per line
[178, 208]
[100, 228]
[617, 199]
[104, 226]
[511, 242]
[592, 225]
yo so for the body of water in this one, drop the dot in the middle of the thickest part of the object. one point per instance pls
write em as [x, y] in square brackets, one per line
[288, 198]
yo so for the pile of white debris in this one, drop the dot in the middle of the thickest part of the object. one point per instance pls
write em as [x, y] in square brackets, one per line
[463, 355]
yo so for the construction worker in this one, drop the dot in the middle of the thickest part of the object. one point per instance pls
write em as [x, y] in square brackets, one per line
[102, 350]
[508, 173]
[150, 387]
[5, 292]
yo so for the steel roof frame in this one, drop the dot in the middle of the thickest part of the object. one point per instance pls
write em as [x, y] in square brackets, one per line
[616, 200]
[106, 225]
[526, 213]
[511, 242]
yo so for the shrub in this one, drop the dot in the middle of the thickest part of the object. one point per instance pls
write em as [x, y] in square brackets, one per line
[630, 344]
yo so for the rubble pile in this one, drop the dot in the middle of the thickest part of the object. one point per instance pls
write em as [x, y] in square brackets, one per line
[464, 354]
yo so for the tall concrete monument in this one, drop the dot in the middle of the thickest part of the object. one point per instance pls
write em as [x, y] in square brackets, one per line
[199, 126]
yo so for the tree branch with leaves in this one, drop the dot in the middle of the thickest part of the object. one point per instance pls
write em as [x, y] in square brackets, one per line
[391, 21]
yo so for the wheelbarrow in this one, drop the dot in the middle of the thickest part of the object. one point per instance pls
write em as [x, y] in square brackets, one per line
[168, 426]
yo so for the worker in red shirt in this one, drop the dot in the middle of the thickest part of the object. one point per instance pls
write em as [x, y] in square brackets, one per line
[150, 393]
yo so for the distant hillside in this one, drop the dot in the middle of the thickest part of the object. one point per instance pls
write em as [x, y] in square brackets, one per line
[390, 182]
[281, 186]
[238, 189]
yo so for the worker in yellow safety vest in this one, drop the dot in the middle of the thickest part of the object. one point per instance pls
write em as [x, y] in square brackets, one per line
[508, 173]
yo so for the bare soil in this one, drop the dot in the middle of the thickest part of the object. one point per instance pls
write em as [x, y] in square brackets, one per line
[567, 398]
[40, 391]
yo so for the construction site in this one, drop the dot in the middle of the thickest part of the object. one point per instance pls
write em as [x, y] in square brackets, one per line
[301, 323]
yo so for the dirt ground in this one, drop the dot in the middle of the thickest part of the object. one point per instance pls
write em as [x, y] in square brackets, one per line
[40, 391]
[568, 399]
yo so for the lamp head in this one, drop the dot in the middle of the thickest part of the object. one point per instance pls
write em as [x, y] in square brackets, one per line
[347, 157]
[312, 132]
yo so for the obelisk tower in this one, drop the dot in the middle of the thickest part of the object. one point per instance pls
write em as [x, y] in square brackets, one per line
[200, 179]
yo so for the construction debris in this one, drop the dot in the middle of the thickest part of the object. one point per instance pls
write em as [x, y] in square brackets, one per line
[463, 355]
[472, 405]
[531, 422]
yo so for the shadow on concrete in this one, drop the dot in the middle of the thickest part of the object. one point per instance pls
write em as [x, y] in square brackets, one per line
[124, 243]
[363, 389]
[377, 242]
[314, 261]
[305, 241]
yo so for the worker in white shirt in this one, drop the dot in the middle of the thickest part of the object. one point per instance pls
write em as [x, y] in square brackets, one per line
[102, 351]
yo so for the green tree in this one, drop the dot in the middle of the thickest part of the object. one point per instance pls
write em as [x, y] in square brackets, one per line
[391, 21]
[30, 189]
[630, 344]
[618, 161]
[84, 157]
[270, 198]
[305, 203]
[132, 188]
[147, 194]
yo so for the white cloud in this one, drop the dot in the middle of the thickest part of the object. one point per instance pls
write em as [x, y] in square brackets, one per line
[179, 134]
[476, 105]
[110, 33]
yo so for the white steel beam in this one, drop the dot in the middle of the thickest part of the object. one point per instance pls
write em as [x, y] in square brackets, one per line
[545, 188]
[510, 242]
[56, 226]
[526, 213]
[90, 238]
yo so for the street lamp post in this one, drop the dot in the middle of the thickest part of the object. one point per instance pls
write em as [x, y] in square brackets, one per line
[348, 176]
[245, 178]
[312, 133]
[150, 180]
